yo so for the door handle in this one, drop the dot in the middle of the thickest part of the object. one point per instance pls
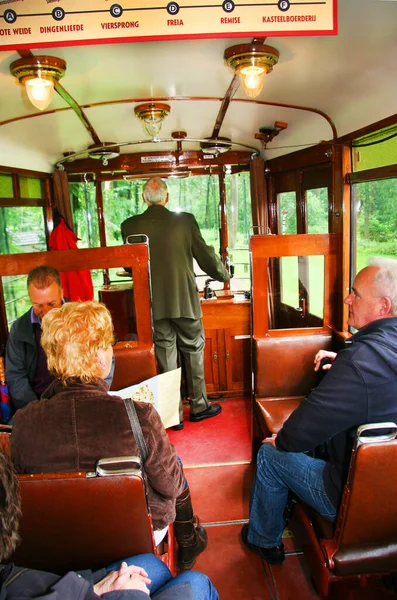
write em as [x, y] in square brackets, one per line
[215, 357]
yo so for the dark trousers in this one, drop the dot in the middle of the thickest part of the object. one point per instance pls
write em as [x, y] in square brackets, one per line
[187, 336]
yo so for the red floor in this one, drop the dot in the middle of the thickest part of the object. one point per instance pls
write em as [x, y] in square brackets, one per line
[222, 439]
[216, 454]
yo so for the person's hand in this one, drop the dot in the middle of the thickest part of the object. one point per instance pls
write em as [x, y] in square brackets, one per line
[270, 440]
[319, 357]
[126, 578]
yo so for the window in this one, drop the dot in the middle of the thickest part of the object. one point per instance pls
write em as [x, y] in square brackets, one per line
[375, 221]
[85, 217]
[300, 301]
[121, 199]
[6, 187]
[197, 195]
[286, 202]
[317, 210]
[378, 149]
[22, 230]
[239, 217]
[31, 187]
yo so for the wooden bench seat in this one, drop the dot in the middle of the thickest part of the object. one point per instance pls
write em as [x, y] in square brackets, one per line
[363, 541]
[272, 412]
[82, 520]
[284, 375]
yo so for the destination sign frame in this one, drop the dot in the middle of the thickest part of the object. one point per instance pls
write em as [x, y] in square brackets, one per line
[50, 23]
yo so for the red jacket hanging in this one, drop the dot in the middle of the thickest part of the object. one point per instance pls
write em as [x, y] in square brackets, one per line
[77, 285]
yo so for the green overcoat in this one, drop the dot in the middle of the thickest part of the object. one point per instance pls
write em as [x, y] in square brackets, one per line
[174, 241]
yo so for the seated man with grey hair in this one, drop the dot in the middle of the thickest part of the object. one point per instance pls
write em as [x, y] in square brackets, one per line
[361, 387]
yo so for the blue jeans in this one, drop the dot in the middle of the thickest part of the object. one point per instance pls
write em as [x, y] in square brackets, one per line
[162, 578]
[277, 473]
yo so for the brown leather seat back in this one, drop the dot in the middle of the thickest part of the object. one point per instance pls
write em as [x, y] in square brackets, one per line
[73, 521]
[371, 515]
[132, 365]
[364, 542]
[283, 366]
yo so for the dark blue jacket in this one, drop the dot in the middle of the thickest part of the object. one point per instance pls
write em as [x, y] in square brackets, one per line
[361, 387]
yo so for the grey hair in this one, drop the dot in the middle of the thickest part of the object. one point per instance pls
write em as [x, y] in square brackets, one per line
[386, 278]
[155, 191]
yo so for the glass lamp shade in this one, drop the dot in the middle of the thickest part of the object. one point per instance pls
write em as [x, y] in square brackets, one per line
[152, 125]
[252, 80]
[39, 92]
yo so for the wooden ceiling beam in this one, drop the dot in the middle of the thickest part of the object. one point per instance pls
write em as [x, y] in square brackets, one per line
[130, 163]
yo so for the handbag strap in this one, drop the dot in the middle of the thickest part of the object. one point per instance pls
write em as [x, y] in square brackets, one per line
[136, 429]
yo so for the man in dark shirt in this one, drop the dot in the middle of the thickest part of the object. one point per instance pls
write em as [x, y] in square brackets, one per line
[361, 387]
[174, 241]
[26, 363]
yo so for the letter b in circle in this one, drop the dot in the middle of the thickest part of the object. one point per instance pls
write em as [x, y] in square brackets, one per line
[58, 14]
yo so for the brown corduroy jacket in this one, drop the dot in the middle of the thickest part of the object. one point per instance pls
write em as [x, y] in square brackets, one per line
[73, 426]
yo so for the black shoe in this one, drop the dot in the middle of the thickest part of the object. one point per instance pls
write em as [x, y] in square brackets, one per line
[209, 412]
[190, 548]
[274, 555]
[178, 427]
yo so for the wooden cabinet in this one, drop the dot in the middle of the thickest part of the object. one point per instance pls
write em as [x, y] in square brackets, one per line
[227, 354]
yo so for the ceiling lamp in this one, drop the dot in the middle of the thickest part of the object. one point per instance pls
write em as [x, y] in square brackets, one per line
[39, 75]
[152, 115]
[251, 62]
[106, 152]
[216, 145]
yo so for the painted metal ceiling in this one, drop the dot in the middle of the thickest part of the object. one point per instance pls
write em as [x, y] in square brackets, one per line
[351, 77]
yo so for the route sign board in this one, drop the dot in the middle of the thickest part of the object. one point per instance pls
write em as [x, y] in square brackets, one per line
[43, 23]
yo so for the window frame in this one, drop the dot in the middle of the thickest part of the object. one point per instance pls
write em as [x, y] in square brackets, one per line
[18, 201]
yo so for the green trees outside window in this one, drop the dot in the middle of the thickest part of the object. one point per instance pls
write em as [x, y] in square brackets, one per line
[375, 214]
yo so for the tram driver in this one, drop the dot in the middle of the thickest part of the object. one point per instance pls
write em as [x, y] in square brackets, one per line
[361, 387]
[174, 241]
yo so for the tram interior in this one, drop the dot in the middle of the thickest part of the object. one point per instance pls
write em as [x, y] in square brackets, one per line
[295, 189]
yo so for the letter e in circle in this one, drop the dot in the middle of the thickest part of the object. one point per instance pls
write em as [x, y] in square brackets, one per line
[228, 6]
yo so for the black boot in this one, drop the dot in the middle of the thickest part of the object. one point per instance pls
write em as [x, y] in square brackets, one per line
[191, 537]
